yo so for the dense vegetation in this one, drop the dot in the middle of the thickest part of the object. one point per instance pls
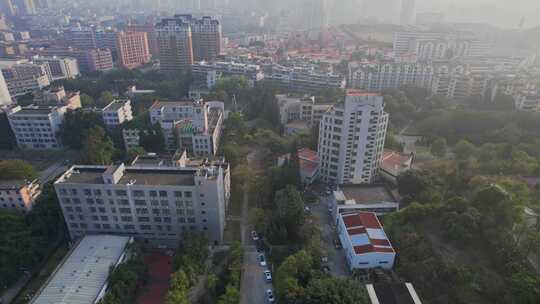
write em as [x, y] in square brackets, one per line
[25, 240]
[464, 239]
[127, 278]
[188, 264]
[16, 170]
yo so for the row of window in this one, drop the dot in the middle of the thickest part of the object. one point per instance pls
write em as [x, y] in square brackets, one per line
[135, 193]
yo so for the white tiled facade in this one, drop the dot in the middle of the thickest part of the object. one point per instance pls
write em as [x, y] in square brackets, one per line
[155, 204]
[37, 127]
[117, 112]
[351, 139]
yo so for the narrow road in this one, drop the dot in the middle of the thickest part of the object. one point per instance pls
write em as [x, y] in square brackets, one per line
[52, 171]
[253, 286]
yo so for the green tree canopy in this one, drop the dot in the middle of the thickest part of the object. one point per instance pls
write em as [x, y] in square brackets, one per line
[75, 126]
[439, 147]
[98, 147]
[16, 169]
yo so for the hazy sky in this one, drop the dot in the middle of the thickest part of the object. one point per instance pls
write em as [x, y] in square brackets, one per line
[506, 13]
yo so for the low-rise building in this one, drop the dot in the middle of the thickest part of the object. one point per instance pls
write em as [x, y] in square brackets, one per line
[294, 108]
[57, 96]
[154, 204]
[393, 164]
[392, 293]
[37, 127]
[194, 126]
[117, 112]
[370, 198]
[81, 277]
[308, 163]
[61, 67]
[527, 100]
[18, 194]
[206, 74]
[364, 241]
[303, 79]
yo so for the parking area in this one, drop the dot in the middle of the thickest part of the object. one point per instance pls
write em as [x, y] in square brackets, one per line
[336, 257]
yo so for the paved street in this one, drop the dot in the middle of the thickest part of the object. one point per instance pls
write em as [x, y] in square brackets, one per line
[336, 258]
[52, 171]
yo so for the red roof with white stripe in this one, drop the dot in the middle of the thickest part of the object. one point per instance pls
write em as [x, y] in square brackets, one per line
[366, 233]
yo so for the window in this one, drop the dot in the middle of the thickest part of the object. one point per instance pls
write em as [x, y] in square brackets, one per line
[155, 211]
[162, 193]
[145, 227]
[65, 200]
[101, 209]
[182, 220]
[140, 203]
[124, 210]
[97, 192]
[138, 193]
[76, 201]
[153, 193]
[126, 219]
[191, 220]
[180, 211]
[120, 192]
[104, 218]
[177, 193]
[89, 201]
[179, 204]
[87, 192]
[164, 203]
[167, 219]
[69, 209]
[99, 201]
[129, 227]
[187, 194]
[143, 219]
[93, 209]
[123, 202]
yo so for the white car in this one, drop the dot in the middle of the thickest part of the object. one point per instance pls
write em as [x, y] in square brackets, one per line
[268, 276]
[254, 235]
[270, 296]
[262, 260]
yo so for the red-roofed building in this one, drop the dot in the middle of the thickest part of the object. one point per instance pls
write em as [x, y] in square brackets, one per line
[309, 164]
[394, 163]
[364, 241]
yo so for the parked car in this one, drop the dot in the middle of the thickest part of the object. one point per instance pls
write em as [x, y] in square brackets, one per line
[268, 276]
[262, 260]
[337, 244]
[270, 296]
[307, 209]
[254, 235]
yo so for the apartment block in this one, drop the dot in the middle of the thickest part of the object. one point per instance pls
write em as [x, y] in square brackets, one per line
[175, 45]
[117, 112]
[194, 126]
[302, 79]
[133, 49]
[61, 68]
[37, 128]
[83, 38]
[206, 34]
[351, 139]
[18, 195]
[155, 204]
[24, 77]
[293, 108]
[151, 36]
[99, 60]
[206, 74]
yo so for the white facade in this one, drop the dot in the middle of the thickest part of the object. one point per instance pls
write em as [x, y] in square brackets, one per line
[18, 194]
[194, 126]
[117, 112]
[61, 68]
[303, 109]
[5, 97]
[155, 204]
[23, 77]
[527, 101]
[351, 139]
[304, 79]
[37, 128]
[364, 241]
[207, 74]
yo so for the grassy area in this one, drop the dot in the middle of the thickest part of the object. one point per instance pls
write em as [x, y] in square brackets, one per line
[39, 279]
[232, 232]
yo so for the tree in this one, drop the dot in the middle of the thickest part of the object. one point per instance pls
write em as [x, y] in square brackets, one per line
[16, 169]
[438, 147]
[87, 101]
[464, 149]
[420, 186]
[152, 140]
[98, 147]
[525, 288]
[288, 216]
[104, 99]
[179, 289]
[335, 290]
[76, 124]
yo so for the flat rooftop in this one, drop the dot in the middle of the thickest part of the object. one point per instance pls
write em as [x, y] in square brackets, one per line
[366, 194]
[139, 176]
[34, 111]
[12, 184]
[115, 105]
[83, 274]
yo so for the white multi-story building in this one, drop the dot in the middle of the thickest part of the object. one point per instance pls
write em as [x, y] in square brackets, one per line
[61, 68]
[364, 241]
[5, 97]
[305, 109]
[155, 204]
[37, 127]
[366, 198]
[117, 112]
[24, 77]
[351, 139]
[18, 194]
[304, 79]
[527, 100]
[194, 126]
[206, 75]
